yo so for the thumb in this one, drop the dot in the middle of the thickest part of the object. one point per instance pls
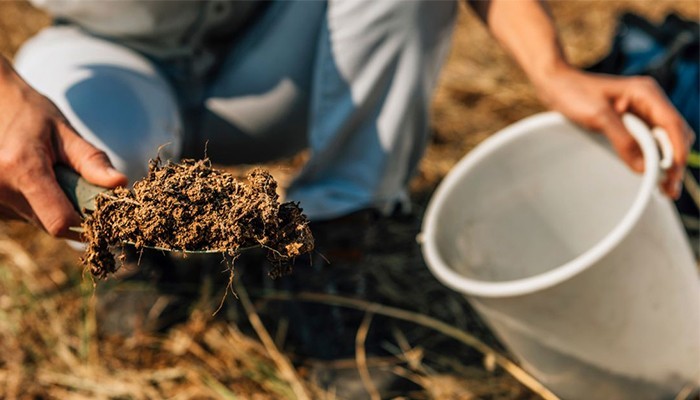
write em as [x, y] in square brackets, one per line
[88, 161]
[610, 124]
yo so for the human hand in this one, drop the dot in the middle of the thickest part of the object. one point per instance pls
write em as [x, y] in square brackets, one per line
[35, 136]
[597, 102]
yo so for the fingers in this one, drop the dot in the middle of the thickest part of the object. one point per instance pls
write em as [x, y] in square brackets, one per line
[672, 185]
[89, 162]
[649, 102]
[595, 102]
[37, 183]
[33, 138]
[610, 124]
[22, 211]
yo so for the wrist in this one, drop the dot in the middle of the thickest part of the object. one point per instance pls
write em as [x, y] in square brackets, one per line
[550, 82]
[544, 74]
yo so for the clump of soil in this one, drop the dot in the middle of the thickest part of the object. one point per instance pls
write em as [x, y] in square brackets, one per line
[192, 206]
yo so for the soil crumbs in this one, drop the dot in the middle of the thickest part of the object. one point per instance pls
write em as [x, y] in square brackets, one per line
[190, 206]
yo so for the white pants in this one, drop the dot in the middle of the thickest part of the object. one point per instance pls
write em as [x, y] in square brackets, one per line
[350, 80]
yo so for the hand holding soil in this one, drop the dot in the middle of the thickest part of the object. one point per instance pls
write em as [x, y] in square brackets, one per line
[190, 206]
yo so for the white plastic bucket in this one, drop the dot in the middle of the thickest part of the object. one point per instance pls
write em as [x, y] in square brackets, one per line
[577, 264]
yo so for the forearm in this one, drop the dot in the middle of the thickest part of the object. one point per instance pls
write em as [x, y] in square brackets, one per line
[526, 30]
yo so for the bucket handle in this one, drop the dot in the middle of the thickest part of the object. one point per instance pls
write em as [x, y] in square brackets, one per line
[666, 147]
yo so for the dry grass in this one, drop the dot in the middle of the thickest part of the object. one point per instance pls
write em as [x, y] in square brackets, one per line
[49, 347]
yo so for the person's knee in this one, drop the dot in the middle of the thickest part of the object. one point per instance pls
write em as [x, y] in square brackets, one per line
[128, 113]
[113, 97]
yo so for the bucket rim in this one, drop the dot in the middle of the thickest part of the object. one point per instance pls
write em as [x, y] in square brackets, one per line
[553, 277]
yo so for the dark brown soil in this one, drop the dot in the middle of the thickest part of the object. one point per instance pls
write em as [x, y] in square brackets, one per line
[194, 207]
